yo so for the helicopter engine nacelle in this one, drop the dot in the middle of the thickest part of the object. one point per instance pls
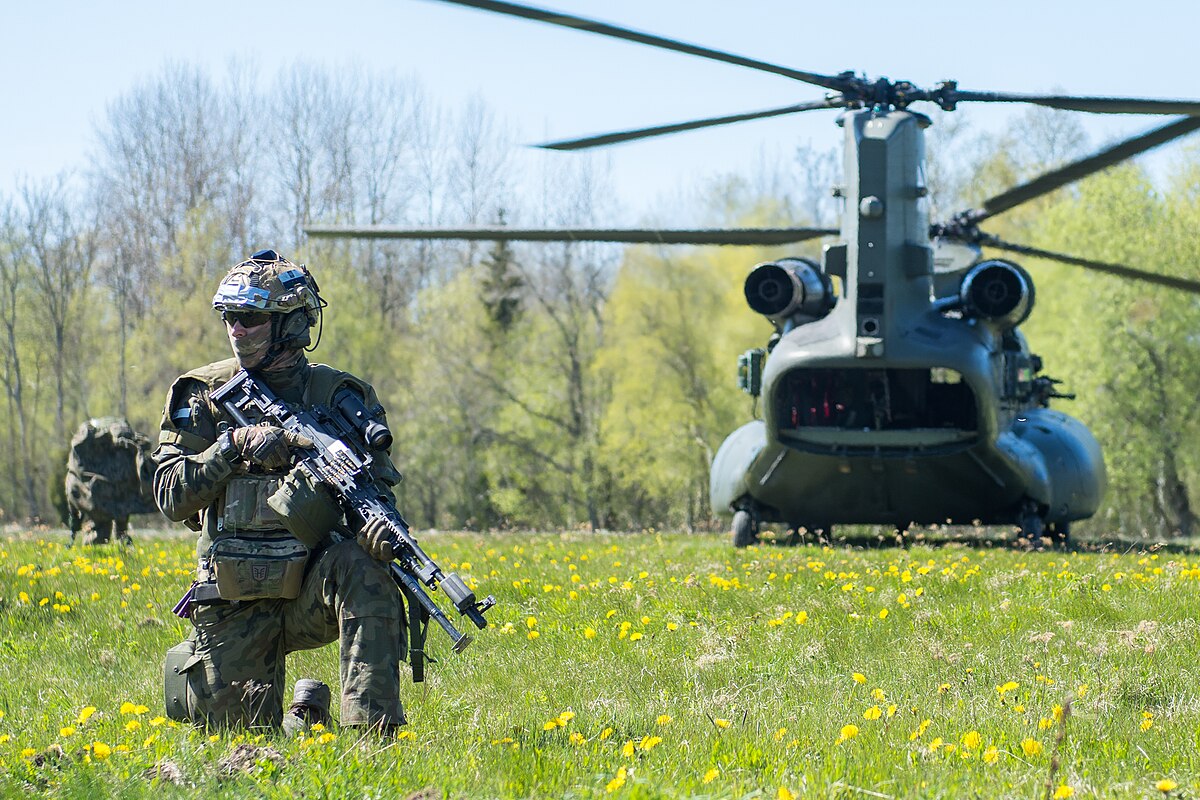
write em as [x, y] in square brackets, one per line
[789, 289]
[997, 291]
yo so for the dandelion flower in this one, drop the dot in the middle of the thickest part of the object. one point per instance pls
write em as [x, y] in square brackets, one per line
[589, 633]
[326, 737]
[711, 775]
[874, 712]
[628, 749]
[779, 734]
[859, 677]
[66, 731]
[991, 755]
[848, 732]
[664, 719]
[650, 742]
[565, 717]
[132, 725]
[1166, 785]
[1031, 747]
[86, 714]
[1007, 687]
[576, 738]
[617, 782]
[722, 723]
[784, 794]
[101, 750]
[633, 637]
[604, 734]
[801, 618]
[971, 740]
[1063, 792]
[672, 626]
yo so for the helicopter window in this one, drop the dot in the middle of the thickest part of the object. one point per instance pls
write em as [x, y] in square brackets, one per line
[877, 399]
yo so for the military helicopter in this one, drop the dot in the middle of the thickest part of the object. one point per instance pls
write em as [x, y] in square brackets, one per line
[897, 388]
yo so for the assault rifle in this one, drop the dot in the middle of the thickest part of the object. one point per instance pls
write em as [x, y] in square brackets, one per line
[344, 438]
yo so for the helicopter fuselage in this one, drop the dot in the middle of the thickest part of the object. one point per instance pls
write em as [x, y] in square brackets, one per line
[896, 406]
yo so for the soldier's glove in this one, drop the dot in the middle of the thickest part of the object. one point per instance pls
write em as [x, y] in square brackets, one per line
[267, 446]
[376, 539]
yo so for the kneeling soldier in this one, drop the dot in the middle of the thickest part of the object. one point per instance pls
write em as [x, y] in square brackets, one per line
[278, 570]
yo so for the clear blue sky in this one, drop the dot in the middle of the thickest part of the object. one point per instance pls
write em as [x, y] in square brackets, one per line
[63, 61]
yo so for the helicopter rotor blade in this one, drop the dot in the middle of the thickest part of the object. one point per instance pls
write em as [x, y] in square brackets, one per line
[1072, 172]
[1119, 270]
[731, 236]
[617, 32]
[834, 101]
[1093, 105]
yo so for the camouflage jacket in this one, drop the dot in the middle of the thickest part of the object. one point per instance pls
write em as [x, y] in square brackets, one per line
[191, 477]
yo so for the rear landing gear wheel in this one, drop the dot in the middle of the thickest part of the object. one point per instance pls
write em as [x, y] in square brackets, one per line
[1060, 532]
[1032, 526]
[745, 528]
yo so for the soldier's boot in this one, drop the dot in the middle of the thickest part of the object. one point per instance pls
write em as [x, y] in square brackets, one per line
[310, 705]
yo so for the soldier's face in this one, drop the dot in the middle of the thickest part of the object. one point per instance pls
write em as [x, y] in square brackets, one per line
[250, 344]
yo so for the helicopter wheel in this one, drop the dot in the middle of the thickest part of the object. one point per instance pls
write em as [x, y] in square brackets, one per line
[1032, 526]
[1060, 532]
[745, 528]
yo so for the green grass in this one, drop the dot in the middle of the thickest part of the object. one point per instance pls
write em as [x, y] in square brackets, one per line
[713, 690]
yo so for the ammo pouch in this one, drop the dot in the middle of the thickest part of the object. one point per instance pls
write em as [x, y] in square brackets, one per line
[181, 659]
[253, 557]
[259, 567]
[304, 508]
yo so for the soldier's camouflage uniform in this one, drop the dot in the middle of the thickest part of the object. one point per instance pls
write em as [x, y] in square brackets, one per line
[108, 479]
[235, 674]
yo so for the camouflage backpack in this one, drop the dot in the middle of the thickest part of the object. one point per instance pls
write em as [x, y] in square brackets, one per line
[109, 470]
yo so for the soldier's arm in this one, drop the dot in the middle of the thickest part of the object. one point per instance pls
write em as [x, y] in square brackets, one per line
[190, 472]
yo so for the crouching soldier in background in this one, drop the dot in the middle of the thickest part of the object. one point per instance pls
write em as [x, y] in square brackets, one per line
[258, 516]
[108, 479]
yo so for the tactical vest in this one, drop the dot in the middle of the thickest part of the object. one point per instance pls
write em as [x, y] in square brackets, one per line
[239, 527]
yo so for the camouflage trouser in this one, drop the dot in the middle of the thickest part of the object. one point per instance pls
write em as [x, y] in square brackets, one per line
[100, 531]
[236, 676]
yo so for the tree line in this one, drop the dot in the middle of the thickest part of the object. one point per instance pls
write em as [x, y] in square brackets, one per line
[548, 386]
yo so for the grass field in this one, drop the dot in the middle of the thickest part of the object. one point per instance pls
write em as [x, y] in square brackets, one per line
[649, 665]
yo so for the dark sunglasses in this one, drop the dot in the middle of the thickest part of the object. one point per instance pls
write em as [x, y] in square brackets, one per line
[249, 319]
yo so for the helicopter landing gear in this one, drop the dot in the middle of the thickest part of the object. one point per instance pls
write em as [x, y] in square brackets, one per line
[1030, 522]
[1060, 533]
[745, 528]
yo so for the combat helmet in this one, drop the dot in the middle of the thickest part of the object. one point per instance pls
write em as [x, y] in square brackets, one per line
[268, 282]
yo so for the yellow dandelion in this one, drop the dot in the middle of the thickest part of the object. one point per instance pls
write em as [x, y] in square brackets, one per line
[801, 617]
[617, 782]
[66, 731]
[628, 749]
[645, 620]
[1064, 791]
[848, 732]
[533, 635]
[874, 712]
[28, 752]
[859, 677]
[1056, 711]
[649, 742]
[991, 755]
[1166, 785]
[883, 612]
[132, 725]
[784, 794]
[1031, 747]
[663, 719]
[711, 775]
[565, 717]
[943, 688]
[576, 738]
[779, 734]
[101, 750]
[612, 612]
[891, 710]
[1007, 687]
[157, 721]
[531, 622]
[589, 633]
[672, 626]
[550, 725]
[878, 694]
[971, 740]
[722, 723]
[604, 734]
[86, 714]
[326, 737]
[633, 637]
[127, 707]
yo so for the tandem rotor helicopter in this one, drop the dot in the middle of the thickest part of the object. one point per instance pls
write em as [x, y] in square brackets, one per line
[897, 388]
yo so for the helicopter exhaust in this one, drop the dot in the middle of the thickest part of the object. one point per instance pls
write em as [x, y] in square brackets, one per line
[997, 291]
[790, 289]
